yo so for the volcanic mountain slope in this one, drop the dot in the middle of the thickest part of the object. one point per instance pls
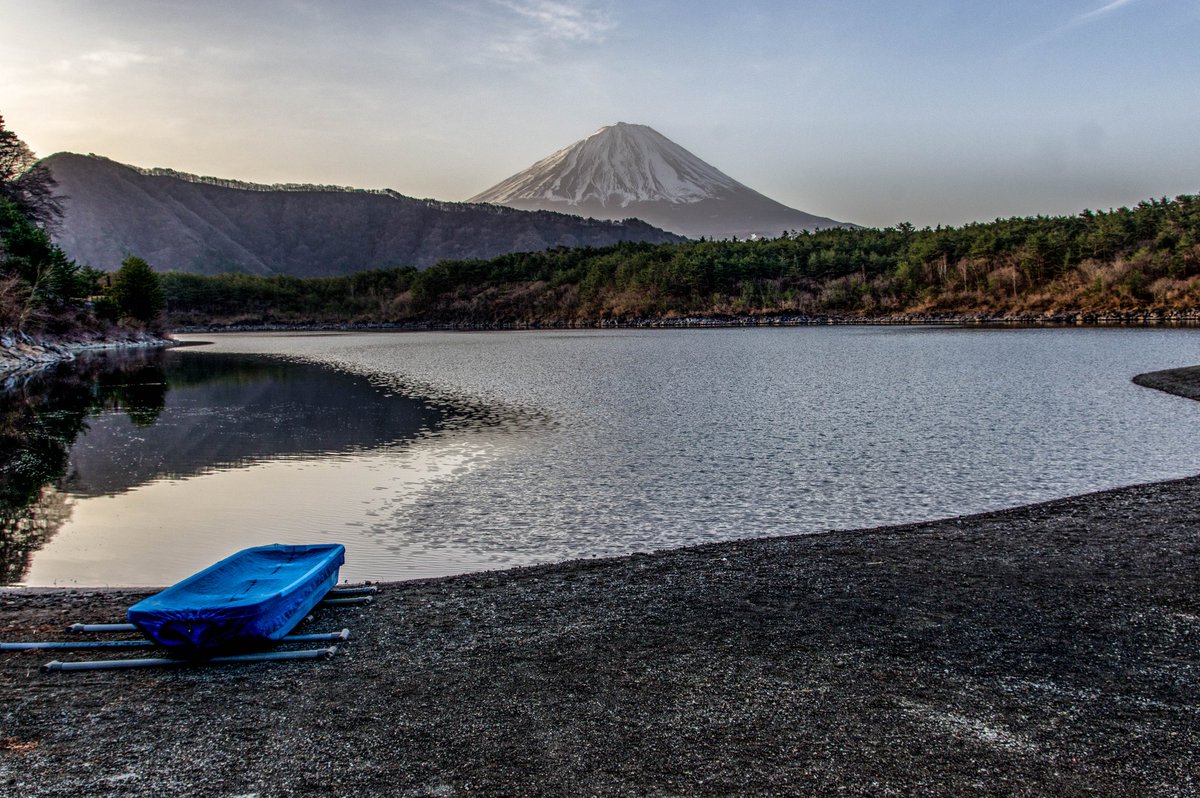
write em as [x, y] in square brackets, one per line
[184, 223]
[624, 171]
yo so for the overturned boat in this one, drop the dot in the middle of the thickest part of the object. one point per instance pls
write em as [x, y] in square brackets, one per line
[250, 599]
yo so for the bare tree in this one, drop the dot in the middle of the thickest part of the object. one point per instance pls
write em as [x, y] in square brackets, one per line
[27, 183]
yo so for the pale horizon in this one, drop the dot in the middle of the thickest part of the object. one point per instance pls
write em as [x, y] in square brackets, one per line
[869, 112]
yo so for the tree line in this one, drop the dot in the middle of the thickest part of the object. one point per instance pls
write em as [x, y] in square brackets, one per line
[1129, 259]
[1144, 258]
[41, 289]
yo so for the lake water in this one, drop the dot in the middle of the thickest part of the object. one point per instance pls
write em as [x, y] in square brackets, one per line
[439, 453]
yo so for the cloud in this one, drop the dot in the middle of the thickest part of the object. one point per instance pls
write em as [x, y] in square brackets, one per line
[538, 26]
[563, 21]
[1077, 21]
[1107, 8]
[103, 62]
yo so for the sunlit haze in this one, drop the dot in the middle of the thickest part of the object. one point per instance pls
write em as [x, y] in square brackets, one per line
[873, 112]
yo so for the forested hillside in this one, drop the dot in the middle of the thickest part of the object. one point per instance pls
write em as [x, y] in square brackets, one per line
[1140, 259]
[39, 285]
[42, 290]
[186, 223]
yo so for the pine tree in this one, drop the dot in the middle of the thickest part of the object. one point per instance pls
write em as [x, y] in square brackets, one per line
[138, 291]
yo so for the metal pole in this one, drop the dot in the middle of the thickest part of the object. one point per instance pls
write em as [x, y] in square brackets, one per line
[340, 637]
[102, 627]
[369, 590]
[337, 602]
[337, 597]
[77, 644]
[162, 662]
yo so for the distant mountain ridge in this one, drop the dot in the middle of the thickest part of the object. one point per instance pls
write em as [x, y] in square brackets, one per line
[626, 170]
[206, 225]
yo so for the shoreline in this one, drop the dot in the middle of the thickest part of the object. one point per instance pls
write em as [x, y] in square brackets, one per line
[1183, 382]
[20, 352]
[1186, 319]
[1046, 649]
[697, 549]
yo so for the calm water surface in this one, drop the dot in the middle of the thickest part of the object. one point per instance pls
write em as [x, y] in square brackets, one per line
[439, 453]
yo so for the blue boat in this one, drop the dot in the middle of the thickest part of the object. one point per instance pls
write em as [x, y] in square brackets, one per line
[250, 599]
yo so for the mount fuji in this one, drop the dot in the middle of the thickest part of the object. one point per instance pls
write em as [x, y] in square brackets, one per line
[625, 170]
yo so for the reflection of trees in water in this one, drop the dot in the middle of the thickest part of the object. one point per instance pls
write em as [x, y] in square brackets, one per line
[40, 417]
[27, 530]
[226, 409]
[140, 391]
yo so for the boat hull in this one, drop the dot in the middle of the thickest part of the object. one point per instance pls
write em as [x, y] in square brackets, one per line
[250, 599]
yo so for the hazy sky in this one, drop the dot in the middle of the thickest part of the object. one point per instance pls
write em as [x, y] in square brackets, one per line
[873, 112]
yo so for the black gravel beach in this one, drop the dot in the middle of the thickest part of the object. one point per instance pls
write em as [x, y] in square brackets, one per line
[1052, 649]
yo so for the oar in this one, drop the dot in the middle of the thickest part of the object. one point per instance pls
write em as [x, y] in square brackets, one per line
[75, 645]
[163, 662]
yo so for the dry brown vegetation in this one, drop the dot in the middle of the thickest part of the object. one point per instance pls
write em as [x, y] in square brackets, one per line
[1144, 260]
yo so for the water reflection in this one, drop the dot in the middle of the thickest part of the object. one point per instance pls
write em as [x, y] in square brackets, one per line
[228, 411]
[549, 446]
[41, 416]
[109, 423]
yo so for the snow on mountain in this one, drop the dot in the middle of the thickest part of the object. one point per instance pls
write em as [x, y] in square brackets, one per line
[625, 170]
[616, 165]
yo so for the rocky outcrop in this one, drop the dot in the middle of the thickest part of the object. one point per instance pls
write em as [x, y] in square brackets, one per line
[20, 351]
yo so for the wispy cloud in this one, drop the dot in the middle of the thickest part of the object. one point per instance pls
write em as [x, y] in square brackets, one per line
[1107, 8]
[103, 62]
[564, 21]
[1078, 20]
[540, 25]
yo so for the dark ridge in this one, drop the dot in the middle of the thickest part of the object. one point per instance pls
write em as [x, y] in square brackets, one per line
[204, 225]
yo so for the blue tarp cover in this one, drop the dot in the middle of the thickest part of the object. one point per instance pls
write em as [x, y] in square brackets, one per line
[253, 597]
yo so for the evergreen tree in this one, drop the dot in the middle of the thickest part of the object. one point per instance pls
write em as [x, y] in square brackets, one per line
[25, 182]
[137, 290]
[38, 282]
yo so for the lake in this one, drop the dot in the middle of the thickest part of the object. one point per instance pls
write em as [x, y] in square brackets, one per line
[438, 453]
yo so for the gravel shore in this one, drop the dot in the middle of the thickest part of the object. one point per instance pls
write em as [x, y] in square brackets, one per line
[1052, 649]
[1183, 382]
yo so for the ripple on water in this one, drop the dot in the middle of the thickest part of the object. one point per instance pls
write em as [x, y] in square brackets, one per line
[547, 446]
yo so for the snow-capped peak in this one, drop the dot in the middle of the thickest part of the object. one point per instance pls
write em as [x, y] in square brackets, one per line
[628, 170]
[615, 166]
